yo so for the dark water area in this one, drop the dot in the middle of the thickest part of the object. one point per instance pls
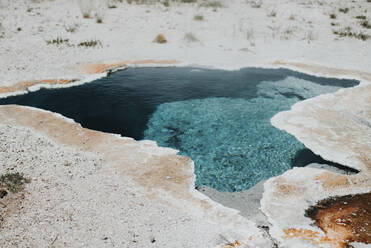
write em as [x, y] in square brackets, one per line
[221, 119]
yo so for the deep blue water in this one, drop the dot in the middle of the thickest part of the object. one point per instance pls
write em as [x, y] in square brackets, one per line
[221, 119]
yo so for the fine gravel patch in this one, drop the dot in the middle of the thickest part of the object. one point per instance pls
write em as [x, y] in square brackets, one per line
[75, 199]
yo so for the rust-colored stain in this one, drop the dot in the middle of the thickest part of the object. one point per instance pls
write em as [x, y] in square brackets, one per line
[236, 243]
[25, 85]
[308, 235]
[344, 220]
[96, 68]
[325, 70]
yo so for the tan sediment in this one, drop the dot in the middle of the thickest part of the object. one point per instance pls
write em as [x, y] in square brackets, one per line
[284, 187]
[329, 180]
[324, 70]
[21, 86]
[95, 68]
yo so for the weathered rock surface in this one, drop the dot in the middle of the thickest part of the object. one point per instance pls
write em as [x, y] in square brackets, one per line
[337, 127]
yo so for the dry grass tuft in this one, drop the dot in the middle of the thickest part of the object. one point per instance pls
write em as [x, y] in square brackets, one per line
[58, 41]
[333, 16]
[90, 43]
[347, 32]
[366, 24]
[189, 37]
[198, 18]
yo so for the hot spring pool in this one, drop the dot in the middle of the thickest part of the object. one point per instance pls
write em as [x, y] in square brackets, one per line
[221, 119]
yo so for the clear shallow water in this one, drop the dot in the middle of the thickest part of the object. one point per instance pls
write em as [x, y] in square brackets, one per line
[221, 119]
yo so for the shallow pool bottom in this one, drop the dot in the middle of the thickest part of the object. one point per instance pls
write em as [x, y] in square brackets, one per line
[221, 119]
[231, 140]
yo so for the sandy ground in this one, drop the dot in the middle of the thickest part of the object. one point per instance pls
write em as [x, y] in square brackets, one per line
[231, 37]
[74, 200]
[92, 203]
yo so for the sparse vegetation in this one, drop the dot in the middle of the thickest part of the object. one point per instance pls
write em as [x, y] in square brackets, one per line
[256, 3]
[189, 37]
[90, 43]
[250, 35]
[272, 13]
[366, 24]
[13, 182]
[100, 10]
[347, 32]
[198, 18]
[58, 41]
[99, 20]
[86, 8]
[309, 36]
[333, 16]
[2, 33]
[275, 30]
[344, 10]
[166, 3]
[287, 33]
[334, 24]
[361, 17]
[112, 4]
[211, 4]
[71, 28]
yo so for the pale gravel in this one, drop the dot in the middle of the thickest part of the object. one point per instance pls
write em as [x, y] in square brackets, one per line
[127, 33]
[86, 204]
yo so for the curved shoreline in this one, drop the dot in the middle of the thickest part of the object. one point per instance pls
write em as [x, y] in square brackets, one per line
[299, 36]
[183, 189]
[94, 71]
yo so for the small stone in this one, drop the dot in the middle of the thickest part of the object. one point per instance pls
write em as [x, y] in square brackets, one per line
[160, 39]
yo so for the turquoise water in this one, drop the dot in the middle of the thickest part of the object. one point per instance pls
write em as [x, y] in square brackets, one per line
[221, 119]
[231, 140]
